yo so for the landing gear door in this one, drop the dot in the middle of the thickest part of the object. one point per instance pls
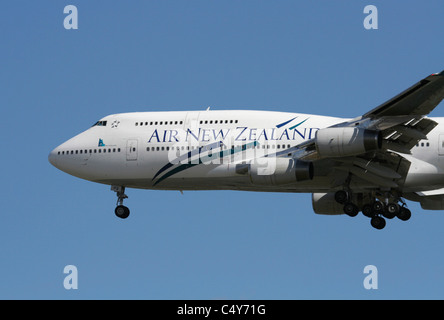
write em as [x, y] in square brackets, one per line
[131, 150]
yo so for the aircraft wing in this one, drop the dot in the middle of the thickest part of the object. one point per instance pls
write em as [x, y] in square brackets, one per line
[401, 120]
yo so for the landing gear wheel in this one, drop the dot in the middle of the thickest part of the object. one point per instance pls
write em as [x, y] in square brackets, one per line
[391, 210]
[122, 212]
[341, 196]
[367, 210]
[404, 214]
[378, 206]
[351, 209]
[378, 222]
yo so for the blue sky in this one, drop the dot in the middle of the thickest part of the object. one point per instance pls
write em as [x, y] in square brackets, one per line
[309, 56]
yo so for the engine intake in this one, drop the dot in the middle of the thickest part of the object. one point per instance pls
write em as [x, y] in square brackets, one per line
[277, 171]
[340, 142]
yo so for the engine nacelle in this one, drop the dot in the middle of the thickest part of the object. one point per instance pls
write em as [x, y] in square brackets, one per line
[277, 171]
[348, 141]
[325, 203]
[432, 203]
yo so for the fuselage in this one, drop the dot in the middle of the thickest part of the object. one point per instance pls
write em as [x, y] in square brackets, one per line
[199, 150]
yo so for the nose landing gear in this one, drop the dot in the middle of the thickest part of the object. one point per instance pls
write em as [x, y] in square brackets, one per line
[121, 211]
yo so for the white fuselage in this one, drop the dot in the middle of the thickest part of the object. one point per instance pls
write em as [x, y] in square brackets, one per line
[199, 150]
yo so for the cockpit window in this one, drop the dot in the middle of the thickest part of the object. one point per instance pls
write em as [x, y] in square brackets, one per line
[100, 123]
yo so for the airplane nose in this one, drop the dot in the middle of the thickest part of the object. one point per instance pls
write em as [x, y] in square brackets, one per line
[52, 157]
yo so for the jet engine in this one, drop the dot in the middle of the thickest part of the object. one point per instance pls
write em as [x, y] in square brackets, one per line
[347, 141]
[325, 203]
[277, 171]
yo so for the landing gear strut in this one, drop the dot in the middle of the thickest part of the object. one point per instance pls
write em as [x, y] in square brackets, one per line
[121, 211]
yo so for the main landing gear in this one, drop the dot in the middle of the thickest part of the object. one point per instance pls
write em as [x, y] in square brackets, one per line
[374, 209]
[121, 211]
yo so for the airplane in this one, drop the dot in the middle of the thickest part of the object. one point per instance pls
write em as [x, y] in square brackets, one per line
[372, 163]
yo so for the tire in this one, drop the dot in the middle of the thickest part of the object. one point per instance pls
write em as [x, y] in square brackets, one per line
[404, 214]
[351, 209]
[122, 212]
[367, 210]
[378, 222]
[391, 210]
[378, 206]
[341, 196]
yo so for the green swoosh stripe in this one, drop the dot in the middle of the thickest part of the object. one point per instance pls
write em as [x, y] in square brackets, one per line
[291, 128]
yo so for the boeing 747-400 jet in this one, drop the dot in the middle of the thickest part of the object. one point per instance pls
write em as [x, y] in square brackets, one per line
[367, 164]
